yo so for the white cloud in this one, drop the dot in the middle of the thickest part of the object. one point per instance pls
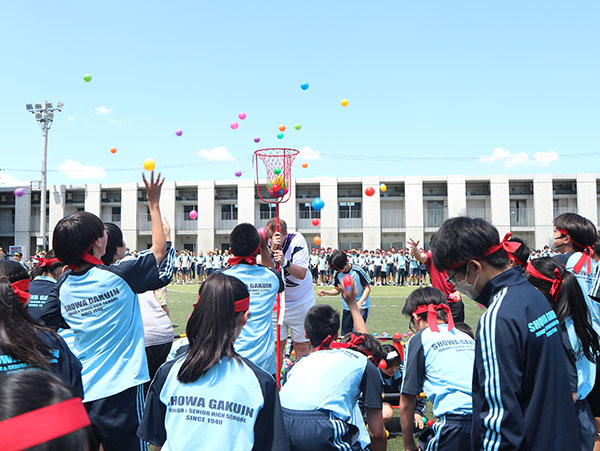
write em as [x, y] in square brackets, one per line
[77, 170]
[217, 154]
[9, 180]
[521, 159]
[71, 118]
[306, 153]
[102, 110]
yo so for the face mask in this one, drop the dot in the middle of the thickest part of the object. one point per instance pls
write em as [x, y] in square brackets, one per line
[466, 288]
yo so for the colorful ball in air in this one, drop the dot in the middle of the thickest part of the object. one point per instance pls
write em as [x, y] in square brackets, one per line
[318, 204]
[275, 187]
[19, 192]
[280, 193]
[257, 139]
[193, 214]
[304, 86]
[87, 78]
[276, 171]
[410, 333]
[344, 102]
[347, 281]
[242, 116]
[369, 191]
[297, 126]
[113, 150]
[279, 135]
[238, 173]
[383, 188]
[317, 240]
[149, 164]
[178, 132]
[315, 222]
[234, 125]
[282, 128]
[305, 165]
[430, 423]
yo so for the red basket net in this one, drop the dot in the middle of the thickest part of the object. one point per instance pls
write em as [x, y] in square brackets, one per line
[278, 163]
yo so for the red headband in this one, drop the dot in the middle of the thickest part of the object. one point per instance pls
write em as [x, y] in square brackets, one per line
[21, 287]
[42, 425]
[240, 305]
[509, 247]
[326, 343]
[88, 258]
[41, 262]
[250, 259]
[556, 282]
[586, 256]
[432, 312]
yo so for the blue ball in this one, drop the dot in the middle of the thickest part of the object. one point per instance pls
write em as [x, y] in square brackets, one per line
[280, 192]
[304, 86]
[318, 204]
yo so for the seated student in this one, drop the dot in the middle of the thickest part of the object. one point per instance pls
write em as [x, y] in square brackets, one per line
[256, 341]
[438, 360]
[100, 304]
[24, 343]
[580, 340]
[319, 398]
[520, 380]
[212, 398]
[391, 376]
[38, 411]
[339, 262]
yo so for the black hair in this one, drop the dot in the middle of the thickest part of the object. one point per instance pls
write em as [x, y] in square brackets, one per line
[396, 360]
[244, 240]
[596, 248]
[74, 235]
[582, 231]
[338, 260]
[462, 239]
[320, 321]
[213, 326]
[465, 329]
[114, 240]
[26, 391]
[522, 253]
[18, 331]
[53, 269]
[425, 296]
[371, 347]
[569, 302]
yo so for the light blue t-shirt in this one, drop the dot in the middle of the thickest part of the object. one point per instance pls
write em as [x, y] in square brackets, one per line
[442, 364]
[361, 279]
[586, 282]
[256, 341]
[586, 370]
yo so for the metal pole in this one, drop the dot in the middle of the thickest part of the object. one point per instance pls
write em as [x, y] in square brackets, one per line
[43, 187]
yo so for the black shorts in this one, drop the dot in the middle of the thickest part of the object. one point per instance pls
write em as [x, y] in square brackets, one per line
[115, 419]
[377, 271]
[318, 430]
[391, 269]
[450, 433]
[594, 396]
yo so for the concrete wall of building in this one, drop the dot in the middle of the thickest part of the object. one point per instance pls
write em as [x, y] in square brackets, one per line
[542, 210]
[413, 207]
[23, 222]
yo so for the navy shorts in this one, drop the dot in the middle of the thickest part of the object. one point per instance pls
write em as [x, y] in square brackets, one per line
[587, 428]
[319, 430]
[115, 420]
[449, 433]
[377, 271]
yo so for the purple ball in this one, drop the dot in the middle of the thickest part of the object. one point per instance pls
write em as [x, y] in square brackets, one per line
[257, 139]
[178, 132]
[19, 192]
[238, 173]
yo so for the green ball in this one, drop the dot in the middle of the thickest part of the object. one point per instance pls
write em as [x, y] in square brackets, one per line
[87, 78]
[279, 135]
[424, 420]
[297, 126]
[276, 171]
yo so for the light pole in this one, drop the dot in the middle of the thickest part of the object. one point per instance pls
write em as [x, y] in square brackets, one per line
[44, 114]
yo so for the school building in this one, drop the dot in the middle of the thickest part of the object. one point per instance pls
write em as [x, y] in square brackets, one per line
[411, 207]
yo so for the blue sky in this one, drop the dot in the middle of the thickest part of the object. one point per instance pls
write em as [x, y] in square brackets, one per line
[432, 87]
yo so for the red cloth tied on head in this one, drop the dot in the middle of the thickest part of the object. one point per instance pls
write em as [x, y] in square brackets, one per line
[556, 282]
[586, 256]
[41, 262]
[509, 247]
[42, 425]
[88, 258]
[240, 305]
[21, 287]
[250, 259]
[432, 312]
[326, 343]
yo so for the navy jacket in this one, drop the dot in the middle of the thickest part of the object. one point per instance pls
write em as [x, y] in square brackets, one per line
[521, 393]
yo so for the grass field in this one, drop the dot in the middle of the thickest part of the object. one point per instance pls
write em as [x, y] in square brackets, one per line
[385, 316]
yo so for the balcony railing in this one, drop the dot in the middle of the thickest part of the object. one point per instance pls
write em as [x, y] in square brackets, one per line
[393, 219]
[303, 223]
[484, 213]
[183, 222]
[560, 210]
[225, 224]
[143, 223]
[521, 217]
[110, 217]
[434, 217]
[350, 223]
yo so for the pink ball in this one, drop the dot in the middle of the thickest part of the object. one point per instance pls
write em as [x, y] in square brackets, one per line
[238, 173]
[193, 214]
[410, 333]
[242, 116]
[234, 125]
[405, 335]
[257, 139]
[19, 192]
[178, 132]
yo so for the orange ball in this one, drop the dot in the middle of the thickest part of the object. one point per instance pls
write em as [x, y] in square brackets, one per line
[305, 165]
[113, 150]
[282, 128]
[317, 240]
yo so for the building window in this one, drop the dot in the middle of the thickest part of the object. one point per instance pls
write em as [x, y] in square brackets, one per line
[186, 211]
[350, 210]
[305, 211]
[229, 212]
[115, 214]
[267, 211]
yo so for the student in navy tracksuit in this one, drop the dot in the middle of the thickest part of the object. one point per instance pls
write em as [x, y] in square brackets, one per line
[43, 279]
[521, 392]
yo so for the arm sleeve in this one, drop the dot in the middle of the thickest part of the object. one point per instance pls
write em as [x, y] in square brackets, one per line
[67, 365]
[371, 387]
[152, 427]
[362, 276]
[299, 255]
[414, 367]
[142, 274]
[51, 315]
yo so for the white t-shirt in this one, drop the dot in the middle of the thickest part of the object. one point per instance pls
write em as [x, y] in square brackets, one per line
[158, 329]
[297, 291]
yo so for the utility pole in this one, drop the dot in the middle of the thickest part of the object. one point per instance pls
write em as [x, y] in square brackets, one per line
[44, 114]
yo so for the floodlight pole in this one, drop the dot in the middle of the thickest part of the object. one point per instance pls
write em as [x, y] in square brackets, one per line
[44, 114]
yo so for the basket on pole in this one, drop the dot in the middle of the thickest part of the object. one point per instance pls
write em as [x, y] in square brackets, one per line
[278, 164]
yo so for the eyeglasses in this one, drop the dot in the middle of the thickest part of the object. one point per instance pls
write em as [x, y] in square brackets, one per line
[411, 325]
[451, 279]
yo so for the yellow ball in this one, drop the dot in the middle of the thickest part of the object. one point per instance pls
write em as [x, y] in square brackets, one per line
[149, 164]
[344, 102]
[383, 188]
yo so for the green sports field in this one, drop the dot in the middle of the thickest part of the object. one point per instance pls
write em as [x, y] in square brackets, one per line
[385, 316]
